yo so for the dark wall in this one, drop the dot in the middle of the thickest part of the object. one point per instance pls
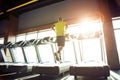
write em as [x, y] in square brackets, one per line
[3, 24]
[114, 8]
[48, 14]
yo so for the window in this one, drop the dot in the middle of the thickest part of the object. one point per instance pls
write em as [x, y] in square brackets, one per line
[30, 54]
[1, 40]
[69, 52]
[46, 50]
[116, 23]
[117, 38]
[91, 49]
[32, 35]
[20, 37]
[17, 54]
[46, 53]
[86, 49]
[75, 50]
[116, 26]
[46, 33]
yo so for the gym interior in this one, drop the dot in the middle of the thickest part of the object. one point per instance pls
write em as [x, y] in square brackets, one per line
[28, 42]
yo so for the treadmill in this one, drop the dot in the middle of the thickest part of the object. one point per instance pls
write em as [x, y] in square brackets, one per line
[3, 60]
[12, 70]
[46, 67]
[17, 65]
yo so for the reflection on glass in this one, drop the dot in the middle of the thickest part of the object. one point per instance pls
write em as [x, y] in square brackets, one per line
[18, 54]
[91, 49]
[30, 53]
[69, 53]
[46, 53]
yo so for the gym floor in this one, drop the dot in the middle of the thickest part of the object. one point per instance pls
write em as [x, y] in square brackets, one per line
[66, 76]
[69, 77]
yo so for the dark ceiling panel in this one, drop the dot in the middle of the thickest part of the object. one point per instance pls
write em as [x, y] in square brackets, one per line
[7, 4]
[114, 8]
[36, 5]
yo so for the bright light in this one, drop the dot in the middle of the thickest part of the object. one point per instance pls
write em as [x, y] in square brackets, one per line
[87, 28]
[90, 48]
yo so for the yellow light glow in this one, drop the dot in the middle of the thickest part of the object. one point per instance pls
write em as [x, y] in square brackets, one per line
[21, 5]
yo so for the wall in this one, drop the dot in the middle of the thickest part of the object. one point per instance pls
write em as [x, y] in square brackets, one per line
[48, 14]
[2, 27]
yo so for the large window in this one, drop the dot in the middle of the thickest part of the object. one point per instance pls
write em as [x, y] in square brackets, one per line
[30, 54]
[46, 33]
[46, 50]
[1, 40]
[90, 47]
[69, 52]
[116, 25]
[20, 37]
[117, 38]
[32, 35]
[17, 54]
[87, 47]
[46, 53]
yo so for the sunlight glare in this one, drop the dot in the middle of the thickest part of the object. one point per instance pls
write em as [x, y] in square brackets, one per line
[87, 28]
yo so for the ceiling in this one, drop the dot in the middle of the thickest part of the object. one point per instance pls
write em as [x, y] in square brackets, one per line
[20, 6]
[114, 6]
[7, 4]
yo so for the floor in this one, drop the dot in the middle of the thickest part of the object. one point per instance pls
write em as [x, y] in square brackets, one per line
[69, 77]
[64, 77]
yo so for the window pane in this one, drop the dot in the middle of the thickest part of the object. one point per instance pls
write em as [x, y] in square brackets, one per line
[8, 55]
[46, 33]
[31, 36]
[30, 53]
[20, 38]
[91, 49]
[117, 38]
[77, 51]
[116, 24]
[1, 40]
[46, 53]
[69, 53]
[73, 29]
[18, 54]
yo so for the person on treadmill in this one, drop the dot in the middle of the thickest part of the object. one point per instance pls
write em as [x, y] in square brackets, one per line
[60, 30]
